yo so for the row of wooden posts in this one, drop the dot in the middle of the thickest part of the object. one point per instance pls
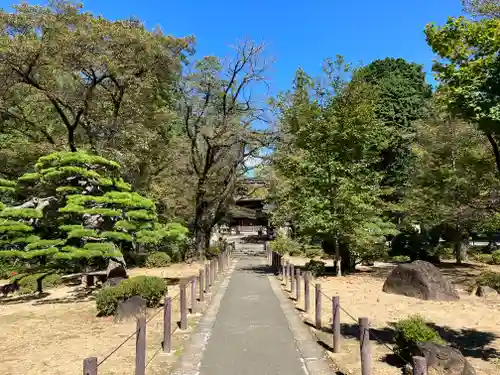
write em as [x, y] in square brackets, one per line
[199, 287]
[294, 278]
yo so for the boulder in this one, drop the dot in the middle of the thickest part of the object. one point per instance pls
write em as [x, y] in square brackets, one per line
[444, 359]
[133, 307]
[117, 268]
[485, 291]
[421, 280]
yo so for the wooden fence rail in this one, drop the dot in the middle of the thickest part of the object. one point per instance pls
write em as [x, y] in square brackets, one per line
[292, 278]
[204, 280]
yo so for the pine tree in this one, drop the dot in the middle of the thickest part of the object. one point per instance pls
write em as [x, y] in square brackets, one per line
[79, 207]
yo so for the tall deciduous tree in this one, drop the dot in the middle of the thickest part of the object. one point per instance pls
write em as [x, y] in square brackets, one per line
[331, 141]
[402, 95]
[453, 183]
[469, 72]
[219, 111]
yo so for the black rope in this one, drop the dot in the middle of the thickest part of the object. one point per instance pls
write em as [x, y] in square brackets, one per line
[118, 347]
[371, 332]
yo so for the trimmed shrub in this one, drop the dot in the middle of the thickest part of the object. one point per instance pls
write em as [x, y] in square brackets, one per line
[29, 283]
[495, 257]
[316, 267]
[400, 258]
[157, 259]
[283, 245]
[489, 278]
[296, 252]
[213, 252]
[151, 288]
[107, 300]
[314, 252]
[484, 258]
[410, 331]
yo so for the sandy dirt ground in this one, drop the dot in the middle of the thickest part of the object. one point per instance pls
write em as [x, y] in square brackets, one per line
[471, 324]
[53, 334]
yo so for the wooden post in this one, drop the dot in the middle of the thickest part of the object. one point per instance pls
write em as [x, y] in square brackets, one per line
[182, 286]
[212, 272]
[167, 325]
[292, 283]
[285, 271]
[297, 283]
[194, 302]
[318, 306]
[336, 323]
[364, 346]
[419, 365]
[207, 276]
[140, 346]
[90, 366]
[201, 279]
[307, 297]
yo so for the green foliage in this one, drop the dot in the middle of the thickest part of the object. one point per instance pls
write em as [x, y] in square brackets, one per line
[213, 251]
[313, 252]
[410, 331]
[495, 257]
[29, 283]
[468, 71]
[296, 252]
[283, 245]
[327, 158]
[400, 258]
[483, 258]
[157, 259]
[316, 267]
[489, 278]
[151, 288]
[402, 95]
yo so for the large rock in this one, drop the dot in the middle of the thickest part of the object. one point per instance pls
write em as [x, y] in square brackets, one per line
[133, 307]
[444, 359]
[117, 268]
[422, 280]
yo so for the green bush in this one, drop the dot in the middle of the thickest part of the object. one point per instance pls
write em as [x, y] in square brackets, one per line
[400, 258]
[295, 252]
[489, 278]
[157, 259]
[213, 251]
[283, 245]
[316, 267]
[151, 288]
[314, 252]
[484, 258]
[410, 331]
[495, 257]
[29, 283]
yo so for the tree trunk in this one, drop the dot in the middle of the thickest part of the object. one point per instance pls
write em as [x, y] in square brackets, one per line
[338, 258]
[202, 241]
[460, 250]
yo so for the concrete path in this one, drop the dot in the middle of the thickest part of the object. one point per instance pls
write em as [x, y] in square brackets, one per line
[251, 333]
[252, 328]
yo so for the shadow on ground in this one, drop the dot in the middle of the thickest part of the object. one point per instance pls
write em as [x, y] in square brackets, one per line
[253, 239]
[470, 342]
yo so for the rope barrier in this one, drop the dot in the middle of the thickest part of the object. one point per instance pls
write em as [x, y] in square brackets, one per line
[116, 349]
[372, 334]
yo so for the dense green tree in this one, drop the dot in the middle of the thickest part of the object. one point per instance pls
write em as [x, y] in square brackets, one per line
[469, 72]
[73, 80]
[78, 207]
[402, 96]
[482, 8]
[331, 141]
[453, 181]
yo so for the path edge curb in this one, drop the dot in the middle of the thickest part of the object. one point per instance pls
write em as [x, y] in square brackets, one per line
[189, 362]
[314, 358]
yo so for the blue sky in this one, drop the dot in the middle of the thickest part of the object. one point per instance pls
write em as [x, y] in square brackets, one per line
[297, 33]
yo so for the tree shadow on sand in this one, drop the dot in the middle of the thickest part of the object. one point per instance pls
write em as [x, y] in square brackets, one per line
[471, 342]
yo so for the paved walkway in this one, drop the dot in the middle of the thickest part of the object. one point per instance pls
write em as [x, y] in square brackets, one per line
[251, 334]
